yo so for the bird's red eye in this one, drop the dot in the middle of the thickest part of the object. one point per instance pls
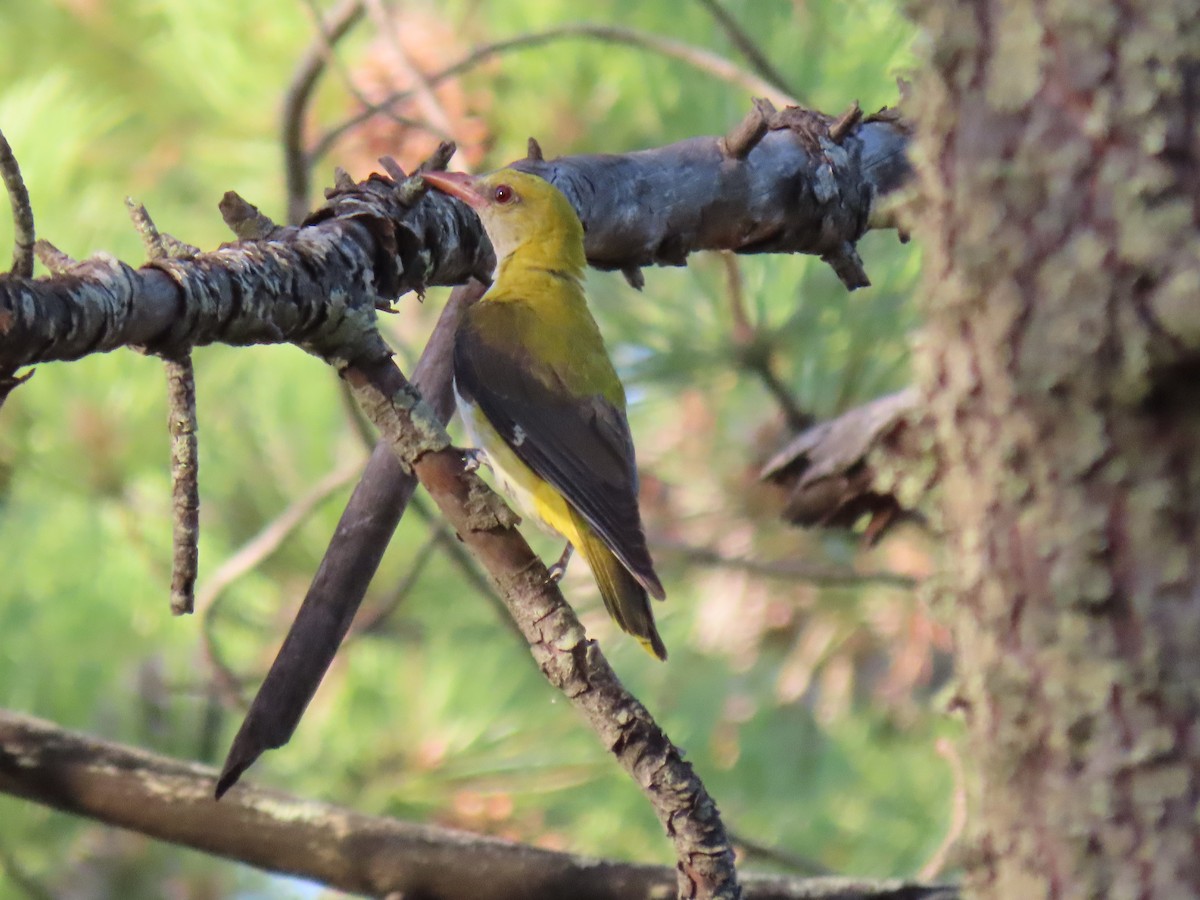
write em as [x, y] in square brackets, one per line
[503, 193]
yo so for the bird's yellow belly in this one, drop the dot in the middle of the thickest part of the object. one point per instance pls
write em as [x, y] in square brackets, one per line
[534, 497]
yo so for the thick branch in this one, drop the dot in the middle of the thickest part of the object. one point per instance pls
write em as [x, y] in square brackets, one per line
[316, 286]
[171, 800]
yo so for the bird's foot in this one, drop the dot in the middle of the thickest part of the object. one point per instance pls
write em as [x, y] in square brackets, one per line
[473, 458]
[559, 569]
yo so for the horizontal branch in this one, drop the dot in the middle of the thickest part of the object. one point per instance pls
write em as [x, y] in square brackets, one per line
[795, 191]
[172, 801]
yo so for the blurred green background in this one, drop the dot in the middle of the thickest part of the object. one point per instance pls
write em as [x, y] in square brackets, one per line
[806, 709]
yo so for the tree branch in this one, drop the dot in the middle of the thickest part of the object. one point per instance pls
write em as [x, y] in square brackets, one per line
[869, 461]
[171, 801]
[317, 286]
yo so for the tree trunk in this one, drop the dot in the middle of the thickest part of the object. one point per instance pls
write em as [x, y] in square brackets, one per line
[1060, 172]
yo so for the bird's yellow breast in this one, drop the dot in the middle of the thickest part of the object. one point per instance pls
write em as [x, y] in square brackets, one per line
[535, 497]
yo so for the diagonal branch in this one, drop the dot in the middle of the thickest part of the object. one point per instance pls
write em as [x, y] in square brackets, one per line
[355, 550]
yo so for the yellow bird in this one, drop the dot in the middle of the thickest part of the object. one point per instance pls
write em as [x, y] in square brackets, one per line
[539, 395]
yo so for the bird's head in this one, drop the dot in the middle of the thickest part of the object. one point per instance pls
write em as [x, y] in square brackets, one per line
[518, 210]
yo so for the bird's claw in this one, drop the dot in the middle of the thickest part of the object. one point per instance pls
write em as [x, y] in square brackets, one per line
[559, 569]
[473, 458]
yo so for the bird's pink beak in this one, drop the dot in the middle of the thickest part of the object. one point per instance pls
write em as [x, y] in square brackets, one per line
[456, 184]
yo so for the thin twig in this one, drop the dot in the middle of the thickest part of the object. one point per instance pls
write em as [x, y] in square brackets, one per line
[785, 569]
[185, 452]
[304, 80]
[22, 211]
[272, 535]
[185, 485]
[958, 810]
[427, 101]
[699, 58]
[796, 862]
[371, 621]
[12, 870]
[24, 239]
[754, 351]
[747, 47]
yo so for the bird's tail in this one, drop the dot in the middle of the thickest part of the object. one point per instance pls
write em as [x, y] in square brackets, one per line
[624, 597]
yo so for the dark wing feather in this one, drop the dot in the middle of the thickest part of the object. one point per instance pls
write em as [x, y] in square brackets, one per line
[581, 446]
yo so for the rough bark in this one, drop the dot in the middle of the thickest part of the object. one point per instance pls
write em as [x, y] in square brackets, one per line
[796, 191]
[1059, 162]
[343, 849]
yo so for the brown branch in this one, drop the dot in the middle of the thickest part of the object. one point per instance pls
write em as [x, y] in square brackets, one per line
[169, 800]
[185, 486]
[185, 453]
[355, 550]
[571, 662]
[869, 461]
[24, 234]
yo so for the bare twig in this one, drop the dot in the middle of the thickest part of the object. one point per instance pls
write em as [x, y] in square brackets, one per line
[847, 120]
[271, 537]
[754, 349]
[312, 65]
[697, 57]
[245, 219]
[23, 244]
[12, 870]
[22, 211]
[51, 257]
[345, 850]
[354, 553]
[185, 456]
[747, 46]
[744, 136]
[788, 859]
[185, 487]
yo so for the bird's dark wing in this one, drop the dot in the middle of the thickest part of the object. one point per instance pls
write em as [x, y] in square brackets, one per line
[580, 445]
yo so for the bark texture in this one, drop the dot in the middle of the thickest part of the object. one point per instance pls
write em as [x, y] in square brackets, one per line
[1058, 158]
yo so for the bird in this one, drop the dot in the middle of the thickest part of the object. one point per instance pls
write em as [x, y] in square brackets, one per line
[539, 397]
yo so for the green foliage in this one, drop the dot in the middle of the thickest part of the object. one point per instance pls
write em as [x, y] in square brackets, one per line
[788, 698]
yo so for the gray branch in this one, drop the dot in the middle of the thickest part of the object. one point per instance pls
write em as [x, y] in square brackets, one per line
[796, 191]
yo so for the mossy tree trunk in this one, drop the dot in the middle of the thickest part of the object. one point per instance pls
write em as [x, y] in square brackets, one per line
[1059, 164]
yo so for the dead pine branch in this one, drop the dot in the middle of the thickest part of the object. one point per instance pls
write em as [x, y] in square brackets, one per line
[185, 450]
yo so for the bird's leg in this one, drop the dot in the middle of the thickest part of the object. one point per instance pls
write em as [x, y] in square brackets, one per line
[473, 458]
[559, 569]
